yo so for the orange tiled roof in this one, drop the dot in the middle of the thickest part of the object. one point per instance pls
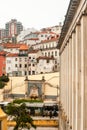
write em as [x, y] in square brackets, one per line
[3, 53]
[12, 55]
[23, 47]
[11, 45]
[33, 38]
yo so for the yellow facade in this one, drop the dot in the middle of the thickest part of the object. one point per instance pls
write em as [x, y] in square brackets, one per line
[3, 119]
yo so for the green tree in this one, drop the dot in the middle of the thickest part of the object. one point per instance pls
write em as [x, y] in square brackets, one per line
[20, 116]
[3, 80]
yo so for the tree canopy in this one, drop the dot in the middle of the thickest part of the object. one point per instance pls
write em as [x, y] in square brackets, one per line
[20, 116]
[3, 80]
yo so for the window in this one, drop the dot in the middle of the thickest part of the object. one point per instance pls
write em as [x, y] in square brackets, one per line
[55, 61]
[25, 72]
[55, 66]
[33, 72]
[25, 66]
[55, 53]
[33, 64]
[52, 53]
[47, 61]
[48, 53]
[25, 59]
[29, 72]
[8, 61]
[15, 59]
[3, 69]
[15, 65]
[45, 54]
[20, 65]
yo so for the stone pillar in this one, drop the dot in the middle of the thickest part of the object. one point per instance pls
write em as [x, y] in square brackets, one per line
[67, 87]
[65, 78]
[3, 120]
[26, 86]
[78, 78]
[84, 72]
[70, 82]
[73, 81]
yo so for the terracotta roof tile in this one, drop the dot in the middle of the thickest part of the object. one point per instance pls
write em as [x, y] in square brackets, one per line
[23, 47]
[12, 55]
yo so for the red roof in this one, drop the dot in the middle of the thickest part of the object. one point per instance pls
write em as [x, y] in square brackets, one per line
[23, 47]
[33, 39]
[3, 53]
[11, 45]
[12, 55]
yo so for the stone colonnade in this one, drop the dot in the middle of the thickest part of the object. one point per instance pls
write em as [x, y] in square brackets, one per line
[73, 78]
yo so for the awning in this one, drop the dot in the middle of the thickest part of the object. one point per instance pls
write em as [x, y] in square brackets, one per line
[34, 104]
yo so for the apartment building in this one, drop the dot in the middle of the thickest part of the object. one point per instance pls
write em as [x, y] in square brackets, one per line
[13, 28]
[45, 64]
[32, 60]
[16, 63]
[48, 48]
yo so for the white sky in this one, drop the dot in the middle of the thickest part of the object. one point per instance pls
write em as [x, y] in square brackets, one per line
[33, 13]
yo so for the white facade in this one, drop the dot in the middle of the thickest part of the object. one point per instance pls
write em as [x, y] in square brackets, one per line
[20, 37]
[12, 63]
[56, 29]
[32, 56]
[31, 41]
[23, 65]
[16, 65]
[46, 44]
[48, 48]
[44, 35]
[44, 65]
[11, 50]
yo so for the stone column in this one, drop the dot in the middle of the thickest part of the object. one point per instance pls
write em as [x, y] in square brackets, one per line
[26, 86]
[84, 72]
[78, 78]
[70, 82]
[66, 77]
[67, 87]
[73, 81]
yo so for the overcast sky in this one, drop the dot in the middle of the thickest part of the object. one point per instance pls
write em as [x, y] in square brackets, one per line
[33, 13]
